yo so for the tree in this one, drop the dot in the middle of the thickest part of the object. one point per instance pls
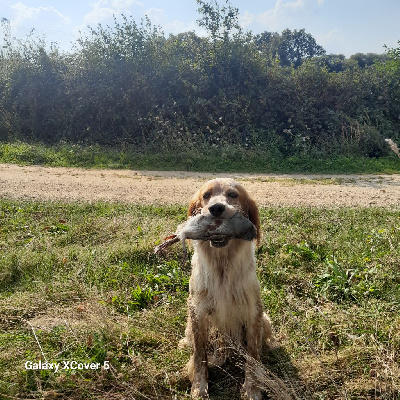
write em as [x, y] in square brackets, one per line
[365, 60]
[334, 62]
[298, 46]
[390, 70]
[292, 48]
[268, 43]
[218, 21]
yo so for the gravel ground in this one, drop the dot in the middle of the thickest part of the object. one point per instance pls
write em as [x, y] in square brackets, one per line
[169, 187]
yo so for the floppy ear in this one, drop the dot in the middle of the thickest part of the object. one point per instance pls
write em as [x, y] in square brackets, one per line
[194, 206]
[254, 217]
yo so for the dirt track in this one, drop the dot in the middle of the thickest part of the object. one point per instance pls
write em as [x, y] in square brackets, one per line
[72, 184]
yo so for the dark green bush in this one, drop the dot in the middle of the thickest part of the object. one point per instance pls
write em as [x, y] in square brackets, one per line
[129, 84]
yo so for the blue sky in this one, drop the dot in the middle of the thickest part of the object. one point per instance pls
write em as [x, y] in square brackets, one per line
[340, 26]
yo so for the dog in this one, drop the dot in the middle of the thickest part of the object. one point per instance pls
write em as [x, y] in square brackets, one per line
[224, 293]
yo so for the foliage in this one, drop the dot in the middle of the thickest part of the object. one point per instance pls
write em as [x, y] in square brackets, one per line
[129, 84]
[291, 48]
[218, 21]
[343, 284]
[204, 159]
[365, 60]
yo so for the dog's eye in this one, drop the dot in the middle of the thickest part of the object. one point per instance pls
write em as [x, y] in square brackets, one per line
[233, 195]
[206, 195]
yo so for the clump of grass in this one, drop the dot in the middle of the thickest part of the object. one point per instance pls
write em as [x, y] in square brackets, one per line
[343, 284]
[82, 281]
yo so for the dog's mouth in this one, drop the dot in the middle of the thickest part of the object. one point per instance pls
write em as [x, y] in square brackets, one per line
[219, 242]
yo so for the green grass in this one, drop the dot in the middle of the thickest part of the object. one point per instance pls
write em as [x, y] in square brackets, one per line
[231, 159]
[82, 281]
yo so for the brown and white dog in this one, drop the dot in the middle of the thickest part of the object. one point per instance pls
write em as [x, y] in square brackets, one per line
[224, 292]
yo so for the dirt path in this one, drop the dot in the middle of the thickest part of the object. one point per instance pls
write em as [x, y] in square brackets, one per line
[72, 184]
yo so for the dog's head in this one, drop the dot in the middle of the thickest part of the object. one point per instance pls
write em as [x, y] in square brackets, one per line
[222, 198]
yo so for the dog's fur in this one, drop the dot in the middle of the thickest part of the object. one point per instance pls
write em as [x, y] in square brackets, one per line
[224, 292]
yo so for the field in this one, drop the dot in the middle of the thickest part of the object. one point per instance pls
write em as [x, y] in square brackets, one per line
[80, 286]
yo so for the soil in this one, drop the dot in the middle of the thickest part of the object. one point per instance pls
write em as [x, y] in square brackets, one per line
[169, 187]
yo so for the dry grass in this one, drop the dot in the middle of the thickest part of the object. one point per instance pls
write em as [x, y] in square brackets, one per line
[393, 147]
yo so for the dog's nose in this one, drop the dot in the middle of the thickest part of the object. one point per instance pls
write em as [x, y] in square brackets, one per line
[217, 209]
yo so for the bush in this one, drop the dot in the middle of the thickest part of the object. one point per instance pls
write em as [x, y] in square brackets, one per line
[129, 84]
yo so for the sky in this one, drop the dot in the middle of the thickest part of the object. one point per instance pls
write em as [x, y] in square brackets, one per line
[339, 26]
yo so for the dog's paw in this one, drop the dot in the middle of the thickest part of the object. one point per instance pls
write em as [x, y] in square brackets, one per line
[183, 343]
[199, 391]
[267, 328]
[251, 392]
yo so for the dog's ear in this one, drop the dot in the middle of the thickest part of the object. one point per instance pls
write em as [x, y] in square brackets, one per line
[254, 217]
[194, 206]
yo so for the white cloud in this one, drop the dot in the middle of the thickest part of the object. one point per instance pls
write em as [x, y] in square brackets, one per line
[97, 15]
[292, 5]
[24, 13]
[246, 19]
[105, 9]
[124, 4]
[281, 16]
[273, 18]
[156, 15]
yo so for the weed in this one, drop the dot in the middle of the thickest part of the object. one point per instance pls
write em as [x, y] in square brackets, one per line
[342, 284]
[137, 299]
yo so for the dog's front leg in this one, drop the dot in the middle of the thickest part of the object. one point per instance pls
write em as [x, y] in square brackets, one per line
[254, 336]
[198, 362]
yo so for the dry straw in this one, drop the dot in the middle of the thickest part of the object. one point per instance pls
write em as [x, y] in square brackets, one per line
[393, 146]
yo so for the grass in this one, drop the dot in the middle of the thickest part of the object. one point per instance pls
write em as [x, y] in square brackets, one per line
[207, 160]
[80, 283]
